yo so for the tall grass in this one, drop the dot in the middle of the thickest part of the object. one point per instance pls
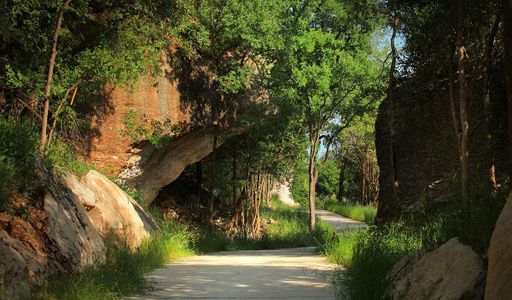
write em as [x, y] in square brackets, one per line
[370, 254]
[339, 248]
[123, 273]
[362, 213]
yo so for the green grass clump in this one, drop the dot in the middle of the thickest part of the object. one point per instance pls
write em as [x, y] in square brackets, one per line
[374, 254]
[123, 274]
[370, 254]
[339, 248]
[60, 154]
[362, 213]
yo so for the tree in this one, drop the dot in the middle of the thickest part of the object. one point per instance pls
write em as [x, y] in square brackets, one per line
[72, 43]
[391, 107]
[325, 70]
[464, 126]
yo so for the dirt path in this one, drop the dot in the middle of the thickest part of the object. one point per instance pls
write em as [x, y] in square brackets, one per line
[297, 273]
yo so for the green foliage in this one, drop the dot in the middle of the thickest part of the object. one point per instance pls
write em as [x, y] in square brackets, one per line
[354, 150]
[328, 175]
[300, 183]
[8, 184]
[288, 227]
[138, 128]
[18, 144]
[62, 155]
[362, 213]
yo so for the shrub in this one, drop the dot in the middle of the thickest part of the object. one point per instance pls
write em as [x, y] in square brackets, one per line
[18, 146]
[8, 182]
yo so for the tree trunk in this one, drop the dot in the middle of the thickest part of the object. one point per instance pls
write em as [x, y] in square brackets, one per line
[233, 176]
[391, 98]
[199, 178]
[312, 177]
[464, 126]
[453, 108]
[49, 77]
[487, 103]
[211, 181]
[507, 41]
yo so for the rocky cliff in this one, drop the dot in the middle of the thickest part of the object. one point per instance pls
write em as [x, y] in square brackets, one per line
[426, 150]
[151, 100]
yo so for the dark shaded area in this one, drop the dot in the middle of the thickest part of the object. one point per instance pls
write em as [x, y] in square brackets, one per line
[426, 149]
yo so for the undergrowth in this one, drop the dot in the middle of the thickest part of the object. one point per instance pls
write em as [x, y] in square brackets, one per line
[285, 227]
[369, 254]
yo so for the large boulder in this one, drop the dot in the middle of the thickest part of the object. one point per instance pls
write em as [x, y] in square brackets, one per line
[499, 272]
[451, 272]
[56, 236]
[74, 244]
[111, 209]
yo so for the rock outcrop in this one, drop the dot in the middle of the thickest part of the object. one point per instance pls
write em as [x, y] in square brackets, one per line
[56, 236]
[111, 209]
[21, 267]
[152, 169]
[74, 243]
[151, 99]
[425, 147]
[64, 232]
[451, 272]
[499, 272]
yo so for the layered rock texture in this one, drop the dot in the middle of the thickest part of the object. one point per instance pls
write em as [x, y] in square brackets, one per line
[425, 147]
[111, 209]
[64, 230]
[149, 100]
[499, 272]
[452, 272]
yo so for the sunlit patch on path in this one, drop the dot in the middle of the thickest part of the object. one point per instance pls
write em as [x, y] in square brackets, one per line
[298, 273]
[340, 223]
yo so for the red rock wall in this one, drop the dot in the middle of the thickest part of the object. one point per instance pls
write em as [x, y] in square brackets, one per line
[152, 99]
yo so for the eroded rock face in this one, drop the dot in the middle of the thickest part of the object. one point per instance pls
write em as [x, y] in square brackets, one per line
[152, 169]
[56, 236]
[111, 209]
[150, 99]
[20, 267]
[451, 272]
[499, 272]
